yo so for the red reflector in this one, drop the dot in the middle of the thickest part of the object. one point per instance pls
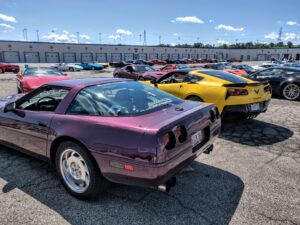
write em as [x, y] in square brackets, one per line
[236, 92]
[128, 167]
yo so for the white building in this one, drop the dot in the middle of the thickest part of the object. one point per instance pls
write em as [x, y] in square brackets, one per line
[44, 52]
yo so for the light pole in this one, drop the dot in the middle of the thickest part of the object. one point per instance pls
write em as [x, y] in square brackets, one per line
[77, 37]
[100, 38]
[37, 35]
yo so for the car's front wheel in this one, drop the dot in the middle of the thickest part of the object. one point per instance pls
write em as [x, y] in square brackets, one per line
[291, 91]
[71, 69]
[78, 172]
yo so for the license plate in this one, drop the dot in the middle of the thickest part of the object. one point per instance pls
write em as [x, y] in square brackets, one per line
[197, 138]
[255, 107]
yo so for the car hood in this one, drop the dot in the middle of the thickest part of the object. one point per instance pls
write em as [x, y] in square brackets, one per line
[37, 81]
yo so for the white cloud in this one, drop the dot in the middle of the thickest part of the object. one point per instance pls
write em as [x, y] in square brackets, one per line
[6, 26]
[66, 32]
[124, 32]
[211, 21]
[85, 37]
[290, 36]
[7, 18]
[175, 34]
[188, 19]
[292, 23]
[285, 36]
[223, 42]
[64, 37]
[272, 36]
[114, 37]
[229, 28]
[173, 44]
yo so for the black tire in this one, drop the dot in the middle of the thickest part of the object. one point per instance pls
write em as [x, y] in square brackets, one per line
[194, 98]
[97, 183]
[116, 75]
[291, 97]
[71, 69]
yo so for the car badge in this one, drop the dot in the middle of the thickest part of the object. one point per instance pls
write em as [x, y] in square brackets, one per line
[256, 91]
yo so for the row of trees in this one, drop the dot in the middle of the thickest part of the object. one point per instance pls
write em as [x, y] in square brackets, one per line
[246, 45]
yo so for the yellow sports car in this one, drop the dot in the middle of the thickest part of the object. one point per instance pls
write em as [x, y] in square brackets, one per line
[232, 94]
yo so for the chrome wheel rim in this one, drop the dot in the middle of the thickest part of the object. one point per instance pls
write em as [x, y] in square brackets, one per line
[291, 91]
[74, 171]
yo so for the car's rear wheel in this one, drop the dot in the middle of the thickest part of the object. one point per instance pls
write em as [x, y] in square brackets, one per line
[71, 69]
[141, 79]
[78, 172]
[291, 92]
[116, 75]
[194, 98]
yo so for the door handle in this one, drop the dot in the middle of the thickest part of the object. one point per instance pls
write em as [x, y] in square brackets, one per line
[42, 124]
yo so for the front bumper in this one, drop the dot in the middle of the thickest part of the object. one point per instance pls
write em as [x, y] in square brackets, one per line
[246, 108]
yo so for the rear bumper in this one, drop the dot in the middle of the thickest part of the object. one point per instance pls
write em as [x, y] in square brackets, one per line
[153, 174]
[246, 108]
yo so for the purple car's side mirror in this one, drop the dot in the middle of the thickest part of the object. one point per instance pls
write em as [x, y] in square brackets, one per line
[10, 107]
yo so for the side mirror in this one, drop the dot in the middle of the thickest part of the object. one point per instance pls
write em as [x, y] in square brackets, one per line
[10, 107]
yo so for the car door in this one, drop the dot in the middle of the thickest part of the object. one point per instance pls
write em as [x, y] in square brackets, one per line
[27, 127]
[273, 75]
[173, 83]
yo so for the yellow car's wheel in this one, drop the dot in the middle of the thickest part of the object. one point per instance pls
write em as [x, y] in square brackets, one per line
[194, 98]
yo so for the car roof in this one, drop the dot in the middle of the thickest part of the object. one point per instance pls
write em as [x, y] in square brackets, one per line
[85, 82]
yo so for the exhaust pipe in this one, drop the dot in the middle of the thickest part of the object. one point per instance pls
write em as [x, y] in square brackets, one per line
[209, 149]
[167, 186]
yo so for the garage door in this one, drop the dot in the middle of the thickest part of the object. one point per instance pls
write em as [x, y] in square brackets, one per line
[86, 57]
[211, 56]
[128, 56]
[11, 57]
[142, 56]
[275, 56]
[32, 57]
[153, 56]
[164, 56]
[69, 57]
[203, 56]
[101, 57]
[185, 56]
[194, 56]
[116, 57]
[174, 56]
[261, 57]
[52, 57]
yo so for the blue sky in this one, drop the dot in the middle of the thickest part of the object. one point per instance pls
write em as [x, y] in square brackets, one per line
[121, 21]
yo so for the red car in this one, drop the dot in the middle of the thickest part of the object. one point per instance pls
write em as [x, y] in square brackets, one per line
[4, 67]
[189, 61]
[158, 62]
[172, 67]
[234, 60]
[33, 78]
[138, 72]
[220, 66]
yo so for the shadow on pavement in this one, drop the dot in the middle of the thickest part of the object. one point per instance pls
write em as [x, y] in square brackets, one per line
[203, 195]
[254, 132]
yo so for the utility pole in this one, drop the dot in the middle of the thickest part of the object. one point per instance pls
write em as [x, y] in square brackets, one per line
[140, 41]
[77, 37]
[37, 36]
[159, 39]
[100, 38]
[280, 34]
[145, 38]
[25, 34]
[179, 40]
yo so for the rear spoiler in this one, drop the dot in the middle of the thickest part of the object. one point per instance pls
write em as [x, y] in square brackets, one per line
[246, 84]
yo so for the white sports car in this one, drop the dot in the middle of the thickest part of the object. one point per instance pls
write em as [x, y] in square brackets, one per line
[68, 67]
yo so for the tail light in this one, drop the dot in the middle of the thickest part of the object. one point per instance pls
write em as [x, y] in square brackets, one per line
[169, 140]
[237, 92]
[181, 133]
[268, 88]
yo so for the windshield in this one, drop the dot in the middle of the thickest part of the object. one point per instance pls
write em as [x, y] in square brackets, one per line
[42, 72]
[121, 99]
[143, 68]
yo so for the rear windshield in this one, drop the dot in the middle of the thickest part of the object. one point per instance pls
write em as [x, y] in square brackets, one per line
[143, 68]
[42, 72]
[121, 99]
[224, 76]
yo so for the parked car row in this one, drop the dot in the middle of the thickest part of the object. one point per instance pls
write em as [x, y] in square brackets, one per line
[163, 108]
[5, 67]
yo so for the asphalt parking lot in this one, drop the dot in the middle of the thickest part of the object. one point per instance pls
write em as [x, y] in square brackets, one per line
[251, 177]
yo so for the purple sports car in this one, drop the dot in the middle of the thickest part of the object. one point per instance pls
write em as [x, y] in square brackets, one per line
[100, 130]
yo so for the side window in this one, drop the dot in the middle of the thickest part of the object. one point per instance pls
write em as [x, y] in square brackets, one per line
[175, 78]
[271, 73]
[166, 68]
[45, 100]
[83, 105]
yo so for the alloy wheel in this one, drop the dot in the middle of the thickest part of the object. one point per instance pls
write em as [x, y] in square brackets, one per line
[291, 92]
